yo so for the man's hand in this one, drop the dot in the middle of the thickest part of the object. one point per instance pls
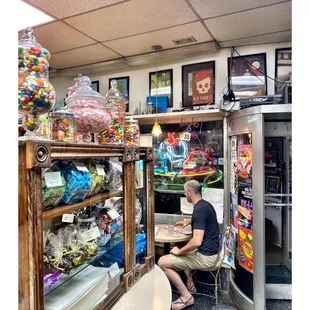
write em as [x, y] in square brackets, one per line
[175, 250]
[183, 223]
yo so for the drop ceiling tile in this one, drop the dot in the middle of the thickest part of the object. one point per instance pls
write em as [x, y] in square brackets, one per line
[57, 36]
[65, 8]
[285, 36]
[82, 56]
[251, 23]
[212, 8]
[132, 17]
[142, 43]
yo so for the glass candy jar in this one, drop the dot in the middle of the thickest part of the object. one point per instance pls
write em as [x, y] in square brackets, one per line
[132, 132]
[114, 134]
[36, 95]
[89, 109]
[62, 126]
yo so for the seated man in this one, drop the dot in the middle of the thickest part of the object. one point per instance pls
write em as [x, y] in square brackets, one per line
[200, 253]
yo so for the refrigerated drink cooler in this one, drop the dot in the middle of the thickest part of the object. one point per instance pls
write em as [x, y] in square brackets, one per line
[258, 191]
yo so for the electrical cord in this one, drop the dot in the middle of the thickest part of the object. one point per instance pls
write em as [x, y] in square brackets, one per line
[277, 81]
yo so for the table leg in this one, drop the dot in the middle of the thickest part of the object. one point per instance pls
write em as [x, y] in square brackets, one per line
[166, 248]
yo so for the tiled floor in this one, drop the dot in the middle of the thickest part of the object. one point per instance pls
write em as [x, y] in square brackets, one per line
[203, 302]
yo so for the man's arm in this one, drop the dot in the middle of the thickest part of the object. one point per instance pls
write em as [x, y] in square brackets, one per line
[192, 244]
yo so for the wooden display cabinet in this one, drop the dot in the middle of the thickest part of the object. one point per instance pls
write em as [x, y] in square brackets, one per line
[35, 155]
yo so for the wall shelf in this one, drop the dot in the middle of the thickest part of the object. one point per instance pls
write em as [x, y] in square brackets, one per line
[177, 117]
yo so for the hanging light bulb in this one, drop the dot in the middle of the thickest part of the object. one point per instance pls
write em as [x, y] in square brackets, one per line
[156, 131]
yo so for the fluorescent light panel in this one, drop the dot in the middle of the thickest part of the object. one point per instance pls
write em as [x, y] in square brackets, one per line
[30, 16]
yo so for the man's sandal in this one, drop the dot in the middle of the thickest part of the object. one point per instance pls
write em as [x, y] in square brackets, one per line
[192, 289]
[177, 305]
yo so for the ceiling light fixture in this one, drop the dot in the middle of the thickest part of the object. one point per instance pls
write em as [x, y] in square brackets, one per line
[37, 17]
[156, 131]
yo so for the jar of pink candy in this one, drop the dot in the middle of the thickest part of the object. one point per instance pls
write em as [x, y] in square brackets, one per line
[89, 109]
[114, 134]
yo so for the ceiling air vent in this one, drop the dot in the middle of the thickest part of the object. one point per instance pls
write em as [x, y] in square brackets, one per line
[184, 41]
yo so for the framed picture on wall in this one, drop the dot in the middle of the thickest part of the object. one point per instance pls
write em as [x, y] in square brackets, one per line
[283, 70]
[123, 87]
[247, 75]
[164, 84]
[198, 84]
[272, 185]
[95, 86]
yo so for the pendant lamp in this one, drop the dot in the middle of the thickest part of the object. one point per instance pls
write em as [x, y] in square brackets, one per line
[156, 131]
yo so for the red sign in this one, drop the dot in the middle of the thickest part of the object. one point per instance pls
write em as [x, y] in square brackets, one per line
[202, 87]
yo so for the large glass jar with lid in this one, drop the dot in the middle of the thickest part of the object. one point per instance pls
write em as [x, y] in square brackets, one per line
[89, 109]
[36, 95]
[114, 134]
[132, 132]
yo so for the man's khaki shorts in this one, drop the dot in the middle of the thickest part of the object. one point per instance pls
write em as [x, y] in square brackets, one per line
[193, 261]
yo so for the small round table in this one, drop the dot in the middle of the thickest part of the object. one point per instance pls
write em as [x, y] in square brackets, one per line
[163, 237]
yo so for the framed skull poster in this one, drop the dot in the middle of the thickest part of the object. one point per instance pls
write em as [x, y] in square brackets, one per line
[198, 84]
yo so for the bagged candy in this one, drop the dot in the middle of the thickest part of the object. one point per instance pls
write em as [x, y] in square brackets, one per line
[53, 187]
[97, 173]
[78, 181]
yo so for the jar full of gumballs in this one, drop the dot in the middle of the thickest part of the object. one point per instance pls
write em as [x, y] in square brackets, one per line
[36, 95]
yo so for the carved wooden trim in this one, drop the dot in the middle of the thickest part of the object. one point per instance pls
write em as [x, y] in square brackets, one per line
[129, 215]
[150, 262]
[150, 207]
[128, 280]
[127, 155]
[30, 234]
[137, 273]
[135, 154]
[38, 154]
[149, 153]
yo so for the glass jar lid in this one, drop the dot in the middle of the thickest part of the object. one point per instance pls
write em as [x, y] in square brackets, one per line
[131, 120]
[115, 95]
[62, 113]
[85, 92]
[28, 41]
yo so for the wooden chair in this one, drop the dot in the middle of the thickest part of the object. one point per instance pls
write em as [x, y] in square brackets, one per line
[215, 271]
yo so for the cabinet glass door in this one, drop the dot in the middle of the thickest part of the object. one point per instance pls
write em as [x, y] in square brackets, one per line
[83, 240]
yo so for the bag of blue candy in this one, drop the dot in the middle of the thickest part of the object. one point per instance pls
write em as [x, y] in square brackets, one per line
[78, 181]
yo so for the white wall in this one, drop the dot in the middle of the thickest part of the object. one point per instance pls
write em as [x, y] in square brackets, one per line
[139, 78]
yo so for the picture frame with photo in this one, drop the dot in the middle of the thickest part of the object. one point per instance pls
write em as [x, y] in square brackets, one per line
[198, 84]
[123, 87]
[247, 75]
[95, 86]
[283, 68]
[164, 86]
[272, 184]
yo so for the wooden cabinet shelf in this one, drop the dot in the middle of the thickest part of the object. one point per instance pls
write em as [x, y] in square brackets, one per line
[88, 202]
[36, 155]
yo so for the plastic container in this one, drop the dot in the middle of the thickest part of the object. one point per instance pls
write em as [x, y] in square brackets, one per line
[132, 132]
[89, 109]
[62, 126]
[114, 134]
[36, 95]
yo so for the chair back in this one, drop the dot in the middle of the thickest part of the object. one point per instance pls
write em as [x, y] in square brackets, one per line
[221, 254]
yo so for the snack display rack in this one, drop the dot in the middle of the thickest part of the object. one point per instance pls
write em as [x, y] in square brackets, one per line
[36, 155]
